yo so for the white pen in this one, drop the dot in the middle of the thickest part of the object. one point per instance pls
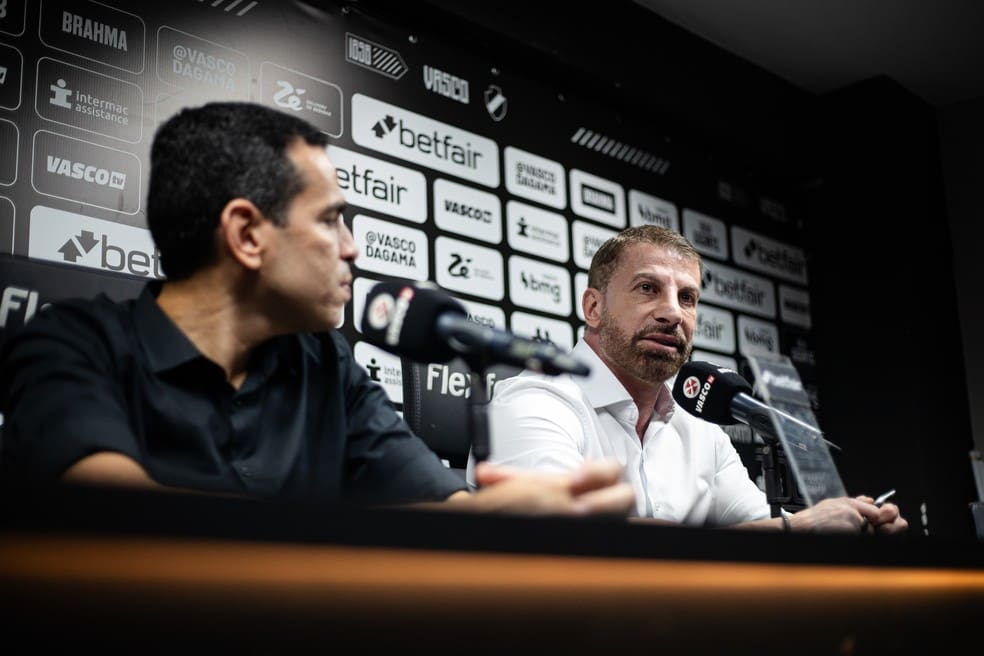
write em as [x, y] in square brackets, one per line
[884, 497]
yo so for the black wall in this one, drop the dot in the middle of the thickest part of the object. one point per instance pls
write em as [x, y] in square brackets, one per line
[861, 171]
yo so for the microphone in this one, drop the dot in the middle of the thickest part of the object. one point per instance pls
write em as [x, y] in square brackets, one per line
[723, 397]
[424, 324]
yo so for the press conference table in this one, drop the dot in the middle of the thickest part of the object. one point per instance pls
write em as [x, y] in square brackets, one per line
[168, 573]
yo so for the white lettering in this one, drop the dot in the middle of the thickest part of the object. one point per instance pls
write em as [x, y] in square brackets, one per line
[91, 30]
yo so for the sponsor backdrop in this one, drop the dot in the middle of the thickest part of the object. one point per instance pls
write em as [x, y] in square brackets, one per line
[487, 181]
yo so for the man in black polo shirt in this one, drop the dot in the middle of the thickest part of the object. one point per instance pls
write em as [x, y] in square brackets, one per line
[227, 377]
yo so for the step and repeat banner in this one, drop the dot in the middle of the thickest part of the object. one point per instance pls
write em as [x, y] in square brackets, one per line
[484, 178]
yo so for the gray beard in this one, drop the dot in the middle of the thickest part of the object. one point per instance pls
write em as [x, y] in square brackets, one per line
[620, 348]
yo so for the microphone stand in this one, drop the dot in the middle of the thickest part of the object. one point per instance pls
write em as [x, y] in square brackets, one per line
[770, 471]
[478, 408]
[776, 480]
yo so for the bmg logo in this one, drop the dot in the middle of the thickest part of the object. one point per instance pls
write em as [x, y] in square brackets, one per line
[16, 300]
[531, 283]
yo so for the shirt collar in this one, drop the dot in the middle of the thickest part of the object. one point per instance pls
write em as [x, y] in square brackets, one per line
[167, 347]
[603, 389]
[163, 342]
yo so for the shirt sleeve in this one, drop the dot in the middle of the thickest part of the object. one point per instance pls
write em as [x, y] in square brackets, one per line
[736, 497]
[534, 427]
[385, 462]
[60, 396]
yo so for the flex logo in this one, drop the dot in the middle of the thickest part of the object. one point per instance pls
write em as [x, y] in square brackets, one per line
[16, 300]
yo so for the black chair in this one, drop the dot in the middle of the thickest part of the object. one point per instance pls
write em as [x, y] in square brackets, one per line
[435, 406]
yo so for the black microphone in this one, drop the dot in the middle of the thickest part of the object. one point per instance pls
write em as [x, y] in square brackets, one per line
[721, 396]
[424, 324]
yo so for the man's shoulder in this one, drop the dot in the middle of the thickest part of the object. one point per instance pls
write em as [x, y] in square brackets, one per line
[75, 317]
[528, 382]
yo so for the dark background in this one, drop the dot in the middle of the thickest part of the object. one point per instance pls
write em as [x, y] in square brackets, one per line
[859, 170]
[862, 166]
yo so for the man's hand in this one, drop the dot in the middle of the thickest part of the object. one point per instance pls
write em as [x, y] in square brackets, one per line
[844, 514]
[596, 488]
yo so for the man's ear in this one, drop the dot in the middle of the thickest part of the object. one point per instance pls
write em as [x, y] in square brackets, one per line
[242, 228]
[592, 304]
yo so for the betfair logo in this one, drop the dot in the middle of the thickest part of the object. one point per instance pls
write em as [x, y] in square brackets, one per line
[111, 256]
[435, 144]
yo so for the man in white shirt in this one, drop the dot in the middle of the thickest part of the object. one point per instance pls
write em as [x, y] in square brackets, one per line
[640, 311]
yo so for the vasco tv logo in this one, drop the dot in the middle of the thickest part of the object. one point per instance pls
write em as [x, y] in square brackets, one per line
[423, 140]
[85, 172]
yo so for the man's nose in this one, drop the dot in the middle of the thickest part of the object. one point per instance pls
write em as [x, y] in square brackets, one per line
[348, 249]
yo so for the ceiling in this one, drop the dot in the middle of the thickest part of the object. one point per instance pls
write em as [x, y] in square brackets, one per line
[934, 49]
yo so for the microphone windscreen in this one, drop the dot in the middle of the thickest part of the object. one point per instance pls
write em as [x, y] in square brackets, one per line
[399, 317]
[705, 390]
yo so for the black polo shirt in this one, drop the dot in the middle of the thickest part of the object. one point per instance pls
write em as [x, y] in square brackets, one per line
[89, 376]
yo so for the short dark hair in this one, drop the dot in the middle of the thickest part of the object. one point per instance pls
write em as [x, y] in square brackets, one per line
[203, 157]
[606, 258]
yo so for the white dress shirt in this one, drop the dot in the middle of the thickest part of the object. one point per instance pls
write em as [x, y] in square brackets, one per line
[684, 470]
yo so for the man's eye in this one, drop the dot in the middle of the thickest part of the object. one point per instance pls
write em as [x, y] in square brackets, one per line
[646, 287]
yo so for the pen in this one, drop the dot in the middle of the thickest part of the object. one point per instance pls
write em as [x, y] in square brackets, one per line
[882, 498]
